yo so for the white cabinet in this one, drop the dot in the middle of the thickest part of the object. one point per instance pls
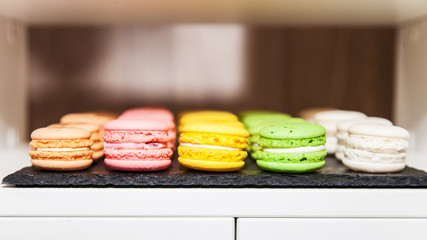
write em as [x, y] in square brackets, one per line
[330, 228]
[116, 228]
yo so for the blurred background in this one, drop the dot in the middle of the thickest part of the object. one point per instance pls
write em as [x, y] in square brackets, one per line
[286, 56]
[216, 66]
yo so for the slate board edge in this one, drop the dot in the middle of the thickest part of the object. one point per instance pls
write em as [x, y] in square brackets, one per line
[175, 177]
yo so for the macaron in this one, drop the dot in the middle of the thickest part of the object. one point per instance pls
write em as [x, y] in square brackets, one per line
[209, 115]
[196, 121]
[244, 114]
[213, 147]
[342, 131]
[329, 120]
[253, 120]
[61, 149]
[308, 113]
[254, 131]
[292, 147]
[137, 145]
[89, 117]
[95, 135]
[158, 115]
[376, 148]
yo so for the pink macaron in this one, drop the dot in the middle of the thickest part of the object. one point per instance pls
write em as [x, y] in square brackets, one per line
[137, 145]
[157, 114]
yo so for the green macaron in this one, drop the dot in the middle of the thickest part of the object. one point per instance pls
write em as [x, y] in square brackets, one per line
[253, 120]
[254, 132]
[251, 113]
[292, 147]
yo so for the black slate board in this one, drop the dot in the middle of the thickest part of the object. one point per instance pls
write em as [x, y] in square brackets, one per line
[333, 175]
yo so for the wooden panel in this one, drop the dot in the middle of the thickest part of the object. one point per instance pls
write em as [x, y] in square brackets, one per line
[114, 68]
[296, 68]
[288, 69]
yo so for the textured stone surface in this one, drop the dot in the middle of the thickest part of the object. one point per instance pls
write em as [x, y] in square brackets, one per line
[333, 175]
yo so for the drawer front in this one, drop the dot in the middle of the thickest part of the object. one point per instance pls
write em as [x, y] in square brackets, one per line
[116, 228]
[330, 229]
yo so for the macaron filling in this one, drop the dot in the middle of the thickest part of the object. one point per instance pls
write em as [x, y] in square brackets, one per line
[214, 139]
[54, 143]
[206, 154]
[309, 157]
[373, 157]
[130, 145]
[295, 150]
[61, 149]
[292, 143]
[377, 144]
[135, 136]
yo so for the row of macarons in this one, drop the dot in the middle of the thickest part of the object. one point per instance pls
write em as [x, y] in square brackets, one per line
[215, 141]
[361, 142]
[72, 144]
[368, 144]
[136, 140]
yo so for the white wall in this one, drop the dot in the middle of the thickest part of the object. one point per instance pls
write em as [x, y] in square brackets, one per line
[411, 88]
[13, 87]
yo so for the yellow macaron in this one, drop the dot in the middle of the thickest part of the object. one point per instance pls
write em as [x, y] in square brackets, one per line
[217, 116]
[196, 121]
[212, 147]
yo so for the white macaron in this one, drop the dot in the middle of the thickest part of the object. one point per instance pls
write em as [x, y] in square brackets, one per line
[376, 148]
[342, 131]
[329, 120]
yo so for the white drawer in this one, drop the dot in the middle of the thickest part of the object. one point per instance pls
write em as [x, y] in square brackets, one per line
[116, 228]
[330, 228]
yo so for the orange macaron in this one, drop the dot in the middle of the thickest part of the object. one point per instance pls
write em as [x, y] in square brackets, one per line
[61, 148]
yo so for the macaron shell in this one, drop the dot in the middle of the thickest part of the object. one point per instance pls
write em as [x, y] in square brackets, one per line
[97, 154]
[249, 113]
[256, 120]
[59, 133]
[208, 115]
[215, 128]
[91, 127]
[291, 143]
[96, 118]
[138, 154]
[135, 136]
[379, 130]
[61, 165]
[257, 128]
[292, 130]
[300, 158]
[211, 165]
[129, 165]
[196, 121]
[126, 124]
[373, 167]
[211, 154]
[52, 143]
[344, 125]
[61, 155]
[290, 167]
[214, 139]
[337, 115]
[97, 146]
